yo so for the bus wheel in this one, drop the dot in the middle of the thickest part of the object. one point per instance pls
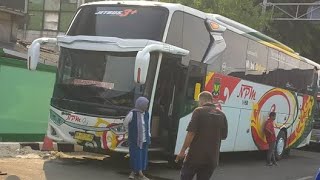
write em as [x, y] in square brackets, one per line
[287, 152]
[281, 145]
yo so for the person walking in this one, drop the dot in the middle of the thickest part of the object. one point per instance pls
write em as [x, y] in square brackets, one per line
[137, 124]
[208, 126]
[271, 139]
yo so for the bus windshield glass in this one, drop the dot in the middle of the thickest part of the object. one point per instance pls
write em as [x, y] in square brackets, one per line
[127, 22]
[99, 78]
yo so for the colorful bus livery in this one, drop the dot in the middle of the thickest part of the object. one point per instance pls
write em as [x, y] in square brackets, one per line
[114, 52]
[253, 102]
[257, 77]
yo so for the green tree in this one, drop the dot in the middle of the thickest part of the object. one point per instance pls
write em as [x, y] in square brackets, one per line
[302, 36]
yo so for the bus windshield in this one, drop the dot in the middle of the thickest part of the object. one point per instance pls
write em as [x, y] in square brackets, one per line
[98, 78]
[120, 21]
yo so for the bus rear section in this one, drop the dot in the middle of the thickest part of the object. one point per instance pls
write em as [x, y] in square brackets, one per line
[315, 136]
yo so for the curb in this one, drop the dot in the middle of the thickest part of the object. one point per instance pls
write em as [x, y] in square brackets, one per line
[63, 147]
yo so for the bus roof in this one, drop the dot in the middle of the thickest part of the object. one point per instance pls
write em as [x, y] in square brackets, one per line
[245, 29]
[139, 3]
[254, 34]
[230, 24]
[170, 6]
[312, 62]
[259, 37]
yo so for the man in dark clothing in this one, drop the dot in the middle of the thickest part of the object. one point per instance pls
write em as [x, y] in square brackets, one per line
[271, 139]
[206, 129]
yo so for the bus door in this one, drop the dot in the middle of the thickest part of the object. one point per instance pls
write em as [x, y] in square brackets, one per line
[194, 84]
[170, 82]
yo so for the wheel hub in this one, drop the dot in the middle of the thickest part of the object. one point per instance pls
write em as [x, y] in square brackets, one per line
[280, 146]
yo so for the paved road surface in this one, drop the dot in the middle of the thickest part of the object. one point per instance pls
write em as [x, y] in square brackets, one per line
[301, 165]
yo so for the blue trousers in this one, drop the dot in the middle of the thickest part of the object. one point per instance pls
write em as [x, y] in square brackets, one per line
[138, 157]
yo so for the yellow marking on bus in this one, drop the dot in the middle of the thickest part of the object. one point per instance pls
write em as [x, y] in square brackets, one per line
[209, 76]
[98, 123]
[278, 47]
[197, 90]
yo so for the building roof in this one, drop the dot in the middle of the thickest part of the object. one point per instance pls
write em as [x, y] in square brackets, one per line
[11, 11]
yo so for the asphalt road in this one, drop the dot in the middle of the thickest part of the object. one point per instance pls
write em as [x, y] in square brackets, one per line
[301, 165]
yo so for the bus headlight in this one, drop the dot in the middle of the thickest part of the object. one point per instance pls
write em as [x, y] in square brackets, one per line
[118, 129]
[56, 118]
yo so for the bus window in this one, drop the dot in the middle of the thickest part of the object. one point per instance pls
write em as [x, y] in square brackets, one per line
[306, 73]
[256, 62]
[196, 77]
[291, 66]
[120, 21]
[285, 72]
[94, 77]
[196, 38]
[215, 66]
[271, 74]
[175, 36]
[234, 57]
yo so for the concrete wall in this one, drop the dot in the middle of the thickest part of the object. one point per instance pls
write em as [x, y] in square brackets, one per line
[31, 35]
[25, 98]
[5, 27]
[8, 27]
[14, 31]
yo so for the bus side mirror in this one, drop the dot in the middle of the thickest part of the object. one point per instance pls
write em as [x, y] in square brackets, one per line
[33, 56]
[143, 58]
[141, 67]
[34, 51]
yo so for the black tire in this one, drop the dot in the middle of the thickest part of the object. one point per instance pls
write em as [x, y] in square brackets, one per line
[280, 148]
[287, 152]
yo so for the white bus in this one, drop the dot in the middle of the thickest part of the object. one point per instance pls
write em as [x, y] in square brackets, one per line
[114, 52]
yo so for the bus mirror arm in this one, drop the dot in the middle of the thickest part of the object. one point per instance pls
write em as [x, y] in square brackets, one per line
[34, 51]
[217, 48]
[143, 59]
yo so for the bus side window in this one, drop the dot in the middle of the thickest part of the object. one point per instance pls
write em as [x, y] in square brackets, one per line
[196, 38]
[306, 78]
[270, 77]
[234, 57]
[195, 83]
[256, 62]
[175, 37]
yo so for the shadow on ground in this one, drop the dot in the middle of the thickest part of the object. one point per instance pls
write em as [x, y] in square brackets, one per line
[116, 169]
[77, 169]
